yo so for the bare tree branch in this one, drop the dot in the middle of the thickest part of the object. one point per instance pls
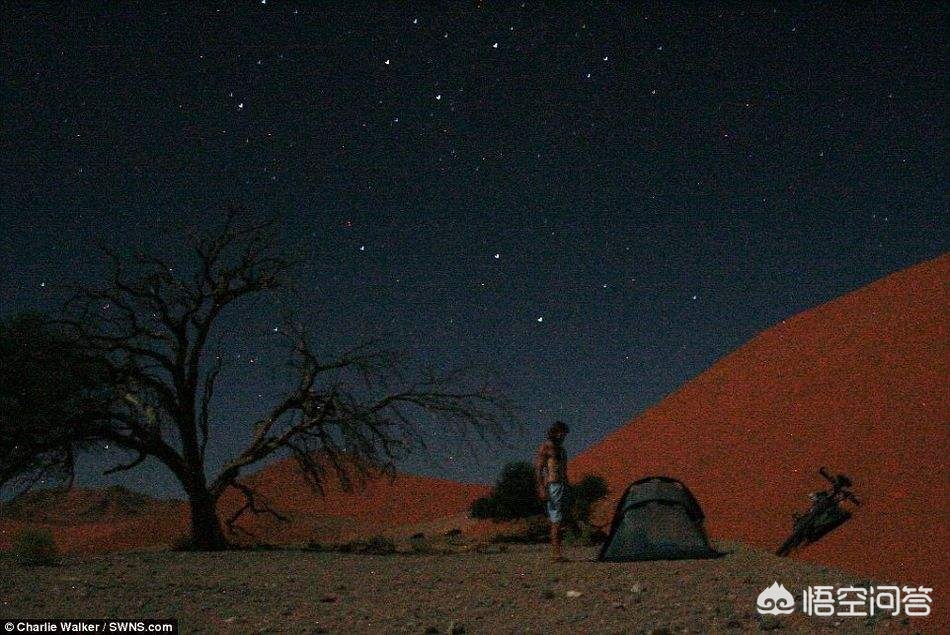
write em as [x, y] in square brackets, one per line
[252, 504]
[127, 466]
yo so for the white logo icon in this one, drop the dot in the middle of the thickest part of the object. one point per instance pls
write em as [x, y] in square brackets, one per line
[775, 600]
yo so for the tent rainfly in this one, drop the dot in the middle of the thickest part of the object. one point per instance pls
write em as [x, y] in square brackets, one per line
[657, 518]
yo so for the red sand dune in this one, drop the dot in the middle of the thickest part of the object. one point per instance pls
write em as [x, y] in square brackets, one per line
[380, 506]
[859, 385]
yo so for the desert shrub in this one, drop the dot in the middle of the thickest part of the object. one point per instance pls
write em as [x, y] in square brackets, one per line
[377, 545]
[353, 546]
[418, 543]
[183, 543]
[514, 495]
[454, 538]
[584, 495]
[380, 546]
[483, 508]
[36, 547]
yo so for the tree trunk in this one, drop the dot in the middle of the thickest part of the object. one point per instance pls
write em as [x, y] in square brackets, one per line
[206, 533]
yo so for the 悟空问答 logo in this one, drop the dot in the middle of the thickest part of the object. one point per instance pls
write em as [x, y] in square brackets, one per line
[775, 600]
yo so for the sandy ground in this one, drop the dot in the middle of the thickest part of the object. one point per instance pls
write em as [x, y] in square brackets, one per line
[507, 589]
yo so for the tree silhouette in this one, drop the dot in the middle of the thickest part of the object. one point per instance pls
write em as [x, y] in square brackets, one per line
[515, 495]
[46, 383]
[148, 331]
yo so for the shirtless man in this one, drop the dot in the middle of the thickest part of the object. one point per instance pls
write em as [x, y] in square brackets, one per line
[550, 473]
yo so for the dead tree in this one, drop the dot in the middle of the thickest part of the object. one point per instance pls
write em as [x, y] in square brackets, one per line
[352, 415]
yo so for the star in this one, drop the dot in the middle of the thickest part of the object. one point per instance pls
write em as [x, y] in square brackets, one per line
[541, 319]
[386, 62]
[497, 256]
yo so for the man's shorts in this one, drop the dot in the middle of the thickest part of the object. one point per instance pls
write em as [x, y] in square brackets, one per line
[557, 499]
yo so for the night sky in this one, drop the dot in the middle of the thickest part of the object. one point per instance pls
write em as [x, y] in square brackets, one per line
[597, 202]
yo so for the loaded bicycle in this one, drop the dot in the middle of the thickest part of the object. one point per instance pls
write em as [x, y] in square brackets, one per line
[826, 513]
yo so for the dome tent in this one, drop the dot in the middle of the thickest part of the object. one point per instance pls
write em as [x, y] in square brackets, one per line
[657, 518]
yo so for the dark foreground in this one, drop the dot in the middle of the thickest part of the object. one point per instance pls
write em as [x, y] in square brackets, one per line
[512, 591]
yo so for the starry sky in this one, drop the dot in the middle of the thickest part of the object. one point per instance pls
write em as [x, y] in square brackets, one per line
[595, 201]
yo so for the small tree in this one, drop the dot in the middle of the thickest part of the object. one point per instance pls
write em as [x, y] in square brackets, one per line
[585, 494]
[483, 507]
[515, 495]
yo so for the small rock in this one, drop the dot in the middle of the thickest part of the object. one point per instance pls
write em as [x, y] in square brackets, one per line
[573, 594]
[330, 597]
[636, 588]
[619, 606]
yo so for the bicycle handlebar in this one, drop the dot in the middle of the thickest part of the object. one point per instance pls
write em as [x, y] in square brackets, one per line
[839, 482]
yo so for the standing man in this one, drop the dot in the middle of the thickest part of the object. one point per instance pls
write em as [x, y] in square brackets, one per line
[550, 473]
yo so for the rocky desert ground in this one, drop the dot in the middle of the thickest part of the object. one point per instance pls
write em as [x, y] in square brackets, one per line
[489, 589]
